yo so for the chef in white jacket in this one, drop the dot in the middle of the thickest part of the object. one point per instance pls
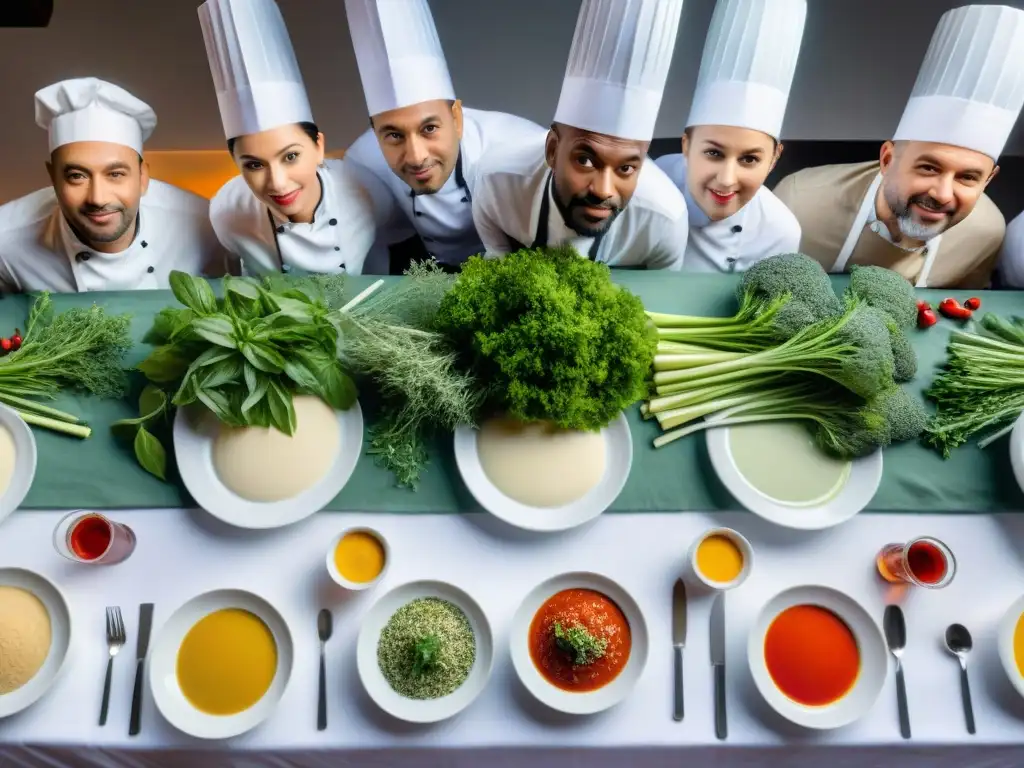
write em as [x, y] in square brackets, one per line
[1011, 256]
[104, 225]
[420, 156]
[290, 210]
[587, 183]
[731, 141]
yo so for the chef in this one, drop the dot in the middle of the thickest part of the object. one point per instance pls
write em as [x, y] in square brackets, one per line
[1011, 257]
[731, 141]
[419, 158]
[290, 211]
[587, 183]
[921, 210]
[104, 225]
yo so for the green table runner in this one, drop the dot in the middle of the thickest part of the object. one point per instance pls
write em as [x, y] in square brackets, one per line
[100, 473]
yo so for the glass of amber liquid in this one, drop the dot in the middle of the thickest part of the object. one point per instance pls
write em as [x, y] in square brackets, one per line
[89, 537]
[926, 562]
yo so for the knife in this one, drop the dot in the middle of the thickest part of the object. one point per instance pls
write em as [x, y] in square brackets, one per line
[678, 643]
[145, 625]
[718, 663]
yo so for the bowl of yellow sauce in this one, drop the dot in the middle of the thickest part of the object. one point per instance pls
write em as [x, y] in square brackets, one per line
[220, 664]
[721, 559]
[358, 558]
[1011, 644]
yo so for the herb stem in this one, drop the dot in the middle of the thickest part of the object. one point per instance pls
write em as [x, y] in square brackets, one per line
[74, 430]
[21, 404]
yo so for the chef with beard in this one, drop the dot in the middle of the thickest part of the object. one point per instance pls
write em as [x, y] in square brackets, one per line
[921, 210]
[588, 182]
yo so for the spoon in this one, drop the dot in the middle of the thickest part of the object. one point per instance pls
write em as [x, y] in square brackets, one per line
[896, 637]
[959, 643]
[324, 627]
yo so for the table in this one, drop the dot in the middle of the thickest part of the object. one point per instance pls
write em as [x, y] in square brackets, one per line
[184, 552]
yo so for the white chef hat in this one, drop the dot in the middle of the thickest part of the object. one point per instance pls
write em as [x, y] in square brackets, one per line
[89, 109]
[748, 65]
[398, 52]
[257, 78]
[970, 88]
[618, 65]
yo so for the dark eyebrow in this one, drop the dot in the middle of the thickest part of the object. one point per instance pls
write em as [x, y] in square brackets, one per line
[752, 151]
[278, 154]
[116, 166]
[388, 128]
[429, 120]
[938, 163]
[584, 146]
[79, 168]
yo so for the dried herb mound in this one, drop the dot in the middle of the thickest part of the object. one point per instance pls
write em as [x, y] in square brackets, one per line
[550, 336]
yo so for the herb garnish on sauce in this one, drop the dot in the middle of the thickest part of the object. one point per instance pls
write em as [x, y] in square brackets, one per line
[579, 643]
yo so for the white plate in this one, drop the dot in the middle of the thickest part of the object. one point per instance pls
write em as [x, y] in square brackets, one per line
[1005, 639]
[855, 495]
[24, 461]
[1017, 450]
[423, 710]
[163, 660]
[193, 448]
[874, 658]
[60, 637]
[618, 459]
[588, 702]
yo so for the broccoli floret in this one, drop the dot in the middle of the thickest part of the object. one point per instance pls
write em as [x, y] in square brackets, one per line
[903, 356]
[887, 291]
[803, 279]
[904, 416]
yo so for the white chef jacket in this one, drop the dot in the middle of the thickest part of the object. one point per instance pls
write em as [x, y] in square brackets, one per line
[443, 220]
[39, 250]
[1011, 256]
[337, 239]
[761, 228]
[513, 191]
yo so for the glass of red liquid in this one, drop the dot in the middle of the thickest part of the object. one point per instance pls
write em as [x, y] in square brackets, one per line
[926, 562]
[89, 537]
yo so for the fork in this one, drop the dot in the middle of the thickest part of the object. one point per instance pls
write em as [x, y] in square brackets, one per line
[115, 641]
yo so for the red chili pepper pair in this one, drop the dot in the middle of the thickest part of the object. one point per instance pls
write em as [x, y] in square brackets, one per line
[954, 310]
[12, 344]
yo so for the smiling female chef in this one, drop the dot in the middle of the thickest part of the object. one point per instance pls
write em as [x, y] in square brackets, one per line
[731, 142]
[289, 211]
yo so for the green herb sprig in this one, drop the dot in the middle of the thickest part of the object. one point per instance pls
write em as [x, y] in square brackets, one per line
[427, 655]
[579, 643]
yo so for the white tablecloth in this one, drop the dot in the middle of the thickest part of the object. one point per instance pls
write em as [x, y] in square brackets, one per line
[182, 553]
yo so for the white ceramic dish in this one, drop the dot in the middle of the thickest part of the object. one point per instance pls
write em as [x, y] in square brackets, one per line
[193, 448]
[163, 658]
[741, 543]
[60, 637]
[340, 580]
[24, 461]
[874, 658]
[591, 701]
[860, 487]
[1017, 450]
[618, 459]
[423, 710]
[1005, 639]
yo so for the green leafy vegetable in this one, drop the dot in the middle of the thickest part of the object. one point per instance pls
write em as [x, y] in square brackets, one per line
[427, 653]
[149, 452]
[889, 292]
[579, 643]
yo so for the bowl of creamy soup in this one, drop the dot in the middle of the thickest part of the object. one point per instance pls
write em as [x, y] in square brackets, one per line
[256, 477]
[540, 477]
[17, 460]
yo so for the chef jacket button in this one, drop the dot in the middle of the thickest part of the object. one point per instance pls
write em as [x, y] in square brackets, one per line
[737, 229]
[337, 247]
[341, 266]
[419, 213]
[286, 267]
[280, 230]
[333, 222]
[143, 243]
[83, 256]
[731, 259]
[465, 200]
[925, 251]
[149, 269]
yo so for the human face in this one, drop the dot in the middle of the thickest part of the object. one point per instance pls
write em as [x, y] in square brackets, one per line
[928, 188]
[421, 142]
[725, 166]
[99, 185]
[279, 166]
[594, 176]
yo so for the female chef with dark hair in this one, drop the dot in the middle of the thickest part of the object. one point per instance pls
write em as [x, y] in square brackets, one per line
[289, 210]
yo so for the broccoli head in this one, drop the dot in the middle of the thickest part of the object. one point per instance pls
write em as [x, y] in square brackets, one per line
[905, 416]
[887, 291]
[903, 356]
[802, 279]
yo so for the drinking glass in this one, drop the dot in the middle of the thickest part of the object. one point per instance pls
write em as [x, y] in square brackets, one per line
[924, 561]
[89, 537]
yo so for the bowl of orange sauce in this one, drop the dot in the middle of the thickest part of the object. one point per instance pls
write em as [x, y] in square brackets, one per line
[1011, 644]
[721, 559]
[358, 558]
[817, 657]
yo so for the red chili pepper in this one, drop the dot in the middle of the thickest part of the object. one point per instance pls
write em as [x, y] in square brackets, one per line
[5, 345]
[952, 309]
[973, 303]
[927, 318]
[923, 305]
[16, 340]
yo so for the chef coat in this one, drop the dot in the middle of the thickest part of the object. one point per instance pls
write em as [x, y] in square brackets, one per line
[761, 228]
[513, 208]
[40, 252]
[832, 200]
[443, 220]
[336, 240]
[1011, 257]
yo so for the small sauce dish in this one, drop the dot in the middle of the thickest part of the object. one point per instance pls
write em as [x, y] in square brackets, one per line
[358, 558]
[720, 559]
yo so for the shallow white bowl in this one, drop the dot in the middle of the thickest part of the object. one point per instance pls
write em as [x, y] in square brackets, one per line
[855, 495]
[1017, 450]
[163, 659]
[356, 586]
[423, 710]
[60, 637]
[588, 702]
[1005, 640]
[193, 448]
[874, 659]
[24, 461]
[618, 460]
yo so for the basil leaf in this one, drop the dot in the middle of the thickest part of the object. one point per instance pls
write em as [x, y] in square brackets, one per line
[259, 414]
[251, 376]
[263, 357]
[297, 370]
[256, 396]
[224, 372]
[194, 292]
[150, 453]
[337, 388]
[186, 394]
[282, 409]
[217, 330]
[168, 322]
[125, 429]
[218, 404]
[164, 365]
[243, 286]
[211, 356]
[152, 402]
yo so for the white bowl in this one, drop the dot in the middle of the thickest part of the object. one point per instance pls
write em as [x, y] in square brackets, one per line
[588, 702]
[60, 637]
[193, 448]
[736, 538]
[423, 710]
[618, 460]
[1005, 639]
[874, 659]
[1017, 450]
[24, 461]
[340, 580]
[163, 660]
[855, 495]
